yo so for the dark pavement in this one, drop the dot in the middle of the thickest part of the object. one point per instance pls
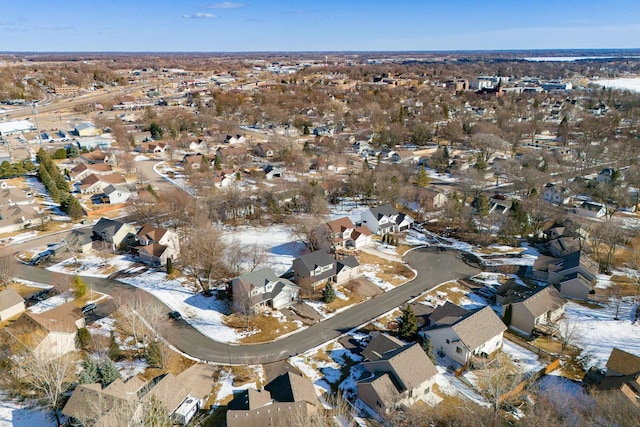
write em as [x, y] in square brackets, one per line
[433, 267]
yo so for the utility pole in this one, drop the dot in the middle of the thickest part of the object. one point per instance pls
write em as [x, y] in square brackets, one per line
[35, 112]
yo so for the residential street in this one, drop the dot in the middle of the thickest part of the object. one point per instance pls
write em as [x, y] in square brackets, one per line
[434, 266]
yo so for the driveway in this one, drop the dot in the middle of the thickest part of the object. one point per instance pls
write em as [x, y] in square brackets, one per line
[433, 267]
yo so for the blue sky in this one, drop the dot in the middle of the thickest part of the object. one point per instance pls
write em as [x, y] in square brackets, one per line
[287, 25]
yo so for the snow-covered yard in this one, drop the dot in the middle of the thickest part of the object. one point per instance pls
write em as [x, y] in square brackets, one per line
[93, 265]
[14, 414]
[597, 333]
[203, 313]
[280, 246]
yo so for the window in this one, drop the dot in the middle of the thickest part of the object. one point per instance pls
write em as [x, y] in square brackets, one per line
[458, 350]
[427, 390]
[448, 342]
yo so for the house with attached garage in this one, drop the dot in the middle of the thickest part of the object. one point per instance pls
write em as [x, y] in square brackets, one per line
[312, 270]
[342, 233]
[156, 245]
[114, 232]
[461, 334]
[51, 333]
[556, 194]
[573, 274]
[262, 288]
[385, 219]
[11, 304]
[530, 310]
[400, 376]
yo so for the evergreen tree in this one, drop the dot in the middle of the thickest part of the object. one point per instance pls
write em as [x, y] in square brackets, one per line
[108, 372]
[83, 338]
[156, 131]
[427, 346]
[216, 163]
[154, 355]
[328, 293]
[204, 163]
[80, 287]
[422, 180]
[408, 324]
[114, 349]
[89, 374]
[169, 266]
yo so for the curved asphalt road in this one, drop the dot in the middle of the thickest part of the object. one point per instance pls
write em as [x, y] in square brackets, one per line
[434, 266]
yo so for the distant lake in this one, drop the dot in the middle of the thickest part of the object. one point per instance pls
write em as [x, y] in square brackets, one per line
[632, 84]
[570, 58]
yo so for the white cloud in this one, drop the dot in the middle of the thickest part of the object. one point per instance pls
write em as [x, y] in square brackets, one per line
[225, 5]
[199, 15]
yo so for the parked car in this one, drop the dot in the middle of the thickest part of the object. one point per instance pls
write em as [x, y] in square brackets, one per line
[88, 308]
[175, 315]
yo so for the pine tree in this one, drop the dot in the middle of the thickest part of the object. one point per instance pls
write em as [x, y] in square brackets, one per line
[154, 355]
[80, 287]
[427, 346]
[422, 179]
[89, 374]
[114, 349]
[108, 372]
[328, 293]
[169, 266]
[83, 338]
[408, 324]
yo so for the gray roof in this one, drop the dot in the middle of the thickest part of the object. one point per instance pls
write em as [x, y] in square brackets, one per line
[543, 300]
[8, 298]
[383, 210]
[81, 236]
[109, 226]
[260, 279]
[444, 313]
[379, 345]
[311, 261]
[292, 387]
[409, 366]
[349, 261]
[474, 328]
[479, 327]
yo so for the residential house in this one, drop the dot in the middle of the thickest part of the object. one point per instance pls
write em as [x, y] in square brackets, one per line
[622, 375]
[607, 175]
[97, 157]
[528, 310]
[115, 232]
[431, 199]
[11, 196]
[563, 246]
[121, 403]
[11, 304]
[156, 245]
[116, 194]
[283, 401]
[462, 334]
[51, 333]
[83, 170]
[263, 150]
[193, 162]
[97, 183]
[380, 344]
[271, 171]
[499, 204]
[262, 288]
[312, 270]
[231, 139]
[342, 233]
[591, 210]
[80, 241]
[17, 217]
[556, 194]
[229, 155]
[399, 377]
[385, 219]
[347, 269]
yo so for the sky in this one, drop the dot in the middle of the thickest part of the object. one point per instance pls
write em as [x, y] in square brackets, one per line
[322, 25]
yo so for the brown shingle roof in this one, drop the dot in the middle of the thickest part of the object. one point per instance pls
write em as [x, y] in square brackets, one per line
[60, 319]
[623, 363]
[9, 298]
[479, 327]
[292, 387]
[379, 345]
[340, 225]
[545, 300]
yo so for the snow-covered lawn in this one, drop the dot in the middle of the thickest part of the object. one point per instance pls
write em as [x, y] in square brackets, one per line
[349, 208]
[526, 360]
[131, 368]
[227, 389]
[280, 246]
[597, 331]
[203, 313]
[92, 265]
[13, 414]
[632, 84]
